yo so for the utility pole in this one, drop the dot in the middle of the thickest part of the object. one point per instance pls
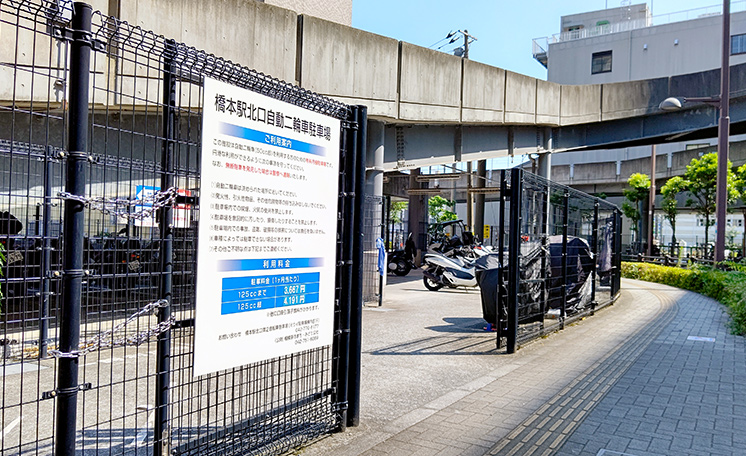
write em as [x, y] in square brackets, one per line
[466, 43]
[467, 39]
[651, 203]
[474, 203]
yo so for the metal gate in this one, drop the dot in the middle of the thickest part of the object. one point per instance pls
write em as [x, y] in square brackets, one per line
[373, 279]
[561, 251]
[97, 315]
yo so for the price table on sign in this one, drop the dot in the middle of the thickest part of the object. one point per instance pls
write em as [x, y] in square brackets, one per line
[245, 294]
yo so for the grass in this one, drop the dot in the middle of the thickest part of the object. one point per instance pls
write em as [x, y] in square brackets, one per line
[727, 287]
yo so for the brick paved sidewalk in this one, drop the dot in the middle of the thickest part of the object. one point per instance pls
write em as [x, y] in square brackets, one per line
[639, 378]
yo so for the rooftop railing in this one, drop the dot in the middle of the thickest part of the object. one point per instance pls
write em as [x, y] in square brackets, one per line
[541, 45]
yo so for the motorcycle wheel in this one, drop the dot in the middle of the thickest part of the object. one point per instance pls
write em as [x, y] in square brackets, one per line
[402, 268]
[431, 285]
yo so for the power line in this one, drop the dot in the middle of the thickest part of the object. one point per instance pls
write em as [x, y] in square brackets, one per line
[450, 34]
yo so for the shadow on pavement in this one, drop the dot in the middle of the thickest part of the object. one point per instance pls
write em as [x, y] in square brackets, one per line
[483, 344]
[460, 325]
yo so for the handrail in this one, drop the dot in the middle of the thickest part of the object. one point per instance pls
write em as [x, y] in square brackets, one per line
[541, 44]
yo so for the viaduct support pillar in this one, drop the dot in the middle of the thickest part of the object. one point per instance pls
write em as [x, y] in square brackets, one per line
[374, 159]
[417, 216]
[545, 159]
[479, 199]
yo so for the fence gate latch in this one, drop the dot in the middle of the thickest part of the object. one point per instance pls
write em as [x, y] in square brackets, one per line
[54, 393]
[166, 442]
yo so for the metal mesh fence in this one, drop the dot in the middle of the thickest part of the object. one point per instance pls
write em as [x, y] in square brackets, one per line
[561, 252]
[373, 229]
[145, 103]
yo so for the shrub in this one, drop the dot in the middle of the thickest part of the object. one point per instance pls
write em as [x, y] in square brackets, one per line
[727, 287]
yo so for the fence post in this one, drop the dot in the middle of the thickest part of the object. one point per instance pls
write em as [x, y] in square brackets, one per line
[74, 225]
[499, 321]
[565, 218]
[594, 252]
[544, 251]
[46, 256]
[356, 317]
[617, 262]
[348, 240]
[514, 256]
[161, 431]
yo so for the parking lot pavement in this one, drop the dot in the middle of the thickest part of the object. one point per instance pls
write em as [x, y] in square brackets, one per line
[639, 378]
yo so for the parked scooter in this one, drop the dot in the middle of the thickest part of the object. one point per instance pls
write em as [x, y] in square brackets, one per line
[443, 271]
[400, 262]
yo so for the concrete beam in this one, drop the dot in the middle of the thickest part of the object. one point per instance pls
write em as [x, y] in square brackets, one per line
[634, 98]
[520, 98]
[483, 93]
[247, 32]
[414, 146]
[351, 65]
[430, 85]
[547, 103]
[580, 104]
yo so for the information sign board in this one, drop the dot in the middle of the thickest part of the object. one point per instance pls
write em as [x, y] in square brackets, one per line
[267, 229]
[181, 214]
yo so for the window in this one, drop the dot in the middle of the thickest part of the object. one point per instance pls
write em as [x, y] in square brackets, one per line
[738, 44]
[601, 62]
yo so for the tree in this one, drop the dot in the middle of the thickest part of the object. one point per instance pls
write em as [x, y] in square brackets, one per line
[638, 191]
[701, 183]
[397, 210]
[669, 190]
[440, 209]
[740, 183]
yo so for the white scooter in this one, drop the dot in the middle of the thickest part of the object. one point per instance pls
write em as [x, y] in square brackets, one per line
[443, 271]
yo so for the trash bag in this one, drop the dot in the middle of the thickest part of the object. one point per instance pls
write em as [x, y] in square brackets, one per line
[9, 224]
[579, 267]
[488, 272]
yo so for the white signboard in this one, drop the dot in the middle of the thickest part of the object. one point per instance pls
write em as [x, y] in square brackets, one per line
[267, 229]
[181, 214]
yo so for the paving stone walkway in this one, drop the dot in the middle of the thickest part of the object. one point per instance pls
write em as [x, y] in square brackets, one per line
[655, 374]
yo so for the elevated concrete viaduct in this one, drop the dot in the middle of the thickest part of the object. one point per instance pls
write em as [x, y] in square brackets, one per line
[425, 107]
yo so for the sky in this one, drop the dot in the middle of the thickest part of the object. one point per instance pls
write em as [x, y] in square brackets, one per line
[504, 29]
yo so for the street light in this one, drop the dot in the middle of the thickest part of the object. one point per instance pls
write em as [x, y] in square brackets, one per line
[723, 104]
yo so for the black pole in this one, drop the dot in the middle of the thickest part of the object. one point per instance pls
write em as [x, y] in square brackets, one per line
[165, 218]
[74, 224]
[46, 256]
[514, 256]
[501, 298]
[356, 317]
[594, 252]
[565, 218]
[616, 268]
[348, 233]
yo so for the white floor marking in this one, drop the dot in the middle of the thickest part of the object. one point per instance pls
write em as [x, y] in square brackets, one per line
[10, 427]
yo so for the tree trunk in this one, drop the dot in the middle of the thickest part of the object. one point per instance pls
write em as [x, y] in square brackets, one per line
[674, 251]
[707, 235]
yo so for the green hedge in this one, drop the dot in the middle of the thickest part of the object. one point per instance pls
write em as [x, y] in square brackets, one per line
[728, 287]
